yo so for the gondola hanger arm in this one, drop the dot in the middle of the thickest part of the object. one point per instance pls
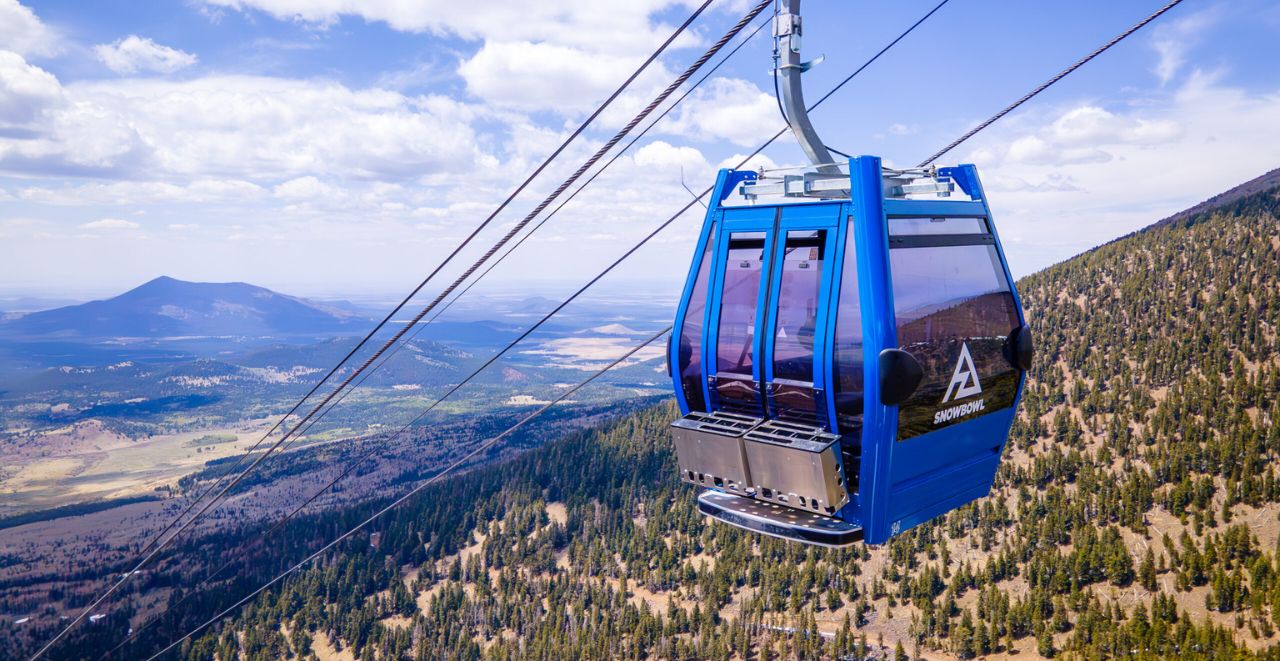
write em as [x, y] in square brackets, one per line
[788, 29]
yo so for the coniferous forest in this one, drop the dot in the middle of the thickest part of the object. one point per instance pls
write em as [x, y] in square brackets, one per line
[1136, 514]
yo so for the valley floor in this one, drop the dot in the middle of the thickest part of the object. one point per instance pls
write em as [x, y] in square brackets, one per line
[85, 462]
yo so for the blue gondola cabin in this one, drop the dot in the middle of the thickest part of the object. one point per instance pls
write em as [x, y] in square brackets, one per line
[848, 351]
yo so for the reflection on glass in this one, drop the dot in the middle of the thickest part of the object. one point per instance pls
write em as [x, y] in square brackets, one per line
[848, 346]
[797, 319]
[739, 302]
[919, 226]
[690, 356]
[928, 279]
[951, 302]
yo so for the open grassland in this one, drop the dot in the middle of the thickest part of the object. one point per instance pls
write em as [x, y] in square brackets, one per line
[86, 463]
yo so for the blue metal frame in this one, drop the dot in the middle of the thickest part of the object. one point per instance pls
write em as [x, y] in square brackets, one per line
[966, 177]
[833, 303]
[902, 483]
[726, 180]
[747, 220]
[879, 332]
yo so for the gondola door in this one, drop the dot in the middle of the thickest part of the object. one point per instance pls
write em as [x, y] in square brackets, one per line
[739, 301]
[795, 342]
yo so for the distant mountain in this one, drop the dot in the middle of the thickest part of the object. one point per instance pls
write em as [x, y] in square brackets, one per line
[532, 304]
[16, 306]
[166, 307]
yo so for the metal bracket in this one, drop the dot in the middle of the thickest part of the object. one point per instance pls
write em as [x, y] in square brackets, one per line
[810, 184]
[942, 187]
[804, 66]
[818, 185]
[785, 25]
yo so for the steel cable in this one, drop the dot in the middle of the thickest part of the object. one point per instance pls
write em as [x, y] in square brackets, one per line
[159, 541]
[432, 480]
[563, 304]
[1044, 86]
[279, 524]
[668, 329]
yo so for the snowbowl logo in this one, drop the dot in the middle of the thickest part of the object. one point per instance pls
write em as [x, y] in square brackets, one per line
[964, 383]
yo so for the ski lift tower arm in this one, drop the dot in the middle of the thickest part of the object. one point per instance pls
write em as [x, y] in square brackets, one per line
[788, 28]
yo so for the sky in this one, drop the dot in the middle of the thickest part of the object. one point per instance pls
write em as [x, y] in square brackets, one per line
[343, 147]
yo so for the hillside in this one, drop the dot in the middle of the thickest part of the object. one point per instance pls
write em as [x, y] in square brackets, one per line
[165, 307]
[1137, 513]
[1260, 184]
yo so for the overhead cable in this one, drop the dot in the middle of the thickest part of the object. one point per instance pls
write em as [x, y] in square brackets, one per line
[159, 541]
[631, 252]
[1046, 84]
[352, 465]
[670, 220]
[430, 481]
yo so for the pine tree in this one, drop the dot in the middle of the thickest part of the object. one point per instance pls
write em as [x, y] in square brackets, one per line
[1147, 571]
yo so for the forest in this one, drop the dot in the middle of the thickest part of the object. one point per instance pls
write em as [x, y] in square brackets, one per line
[1136, 514]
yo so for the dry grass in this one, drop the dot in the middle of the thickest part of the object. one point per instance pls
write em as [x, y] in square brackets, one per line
[86, 463]
[325, 651]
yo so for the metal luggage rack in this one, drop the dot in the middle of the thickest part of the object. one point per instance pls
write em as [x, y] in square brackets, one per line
[796, 465]
[802, 436]
[782, 462]
[710, 451]
[722, 421]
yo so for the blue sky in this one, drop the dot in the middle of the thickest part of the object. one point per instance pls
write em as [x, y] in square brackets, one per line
[337, 147]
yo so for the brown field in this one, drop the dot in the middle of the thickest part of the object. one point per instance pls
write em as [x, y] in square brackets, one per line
[85, 463]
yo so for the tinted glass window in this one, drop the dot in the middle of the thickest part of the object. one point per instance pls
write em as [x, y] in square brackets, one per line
[848, 345]
[919, 226]
[691, 334]
[954, 312]
[739, 302]
[798, 291]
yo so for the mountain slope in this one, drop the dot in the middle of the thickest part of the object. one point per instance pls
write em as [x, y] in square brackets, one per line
[166, 307]
[1137, 513]
[1224, 200]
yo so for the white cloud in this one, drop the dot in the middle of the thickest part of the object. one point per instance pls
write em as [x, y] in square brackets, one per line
[27, 92]
[591, 24]
[241, 128]
[754, 163]
[559, 56]
[111, 224]
[1066, 180]
[1172, 41]
[1171, 58]
[208, 190]
[537, 76]
[665, 156]
[1084, 134]
[304, 189]
[731, 109]
[1053, 182]
[200, 191]
[22, 32]
[1092, 125]
[134, 54]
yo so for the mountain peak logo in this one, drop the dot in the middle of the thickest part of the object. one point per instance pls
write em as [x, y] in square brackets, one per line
[964, 381]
